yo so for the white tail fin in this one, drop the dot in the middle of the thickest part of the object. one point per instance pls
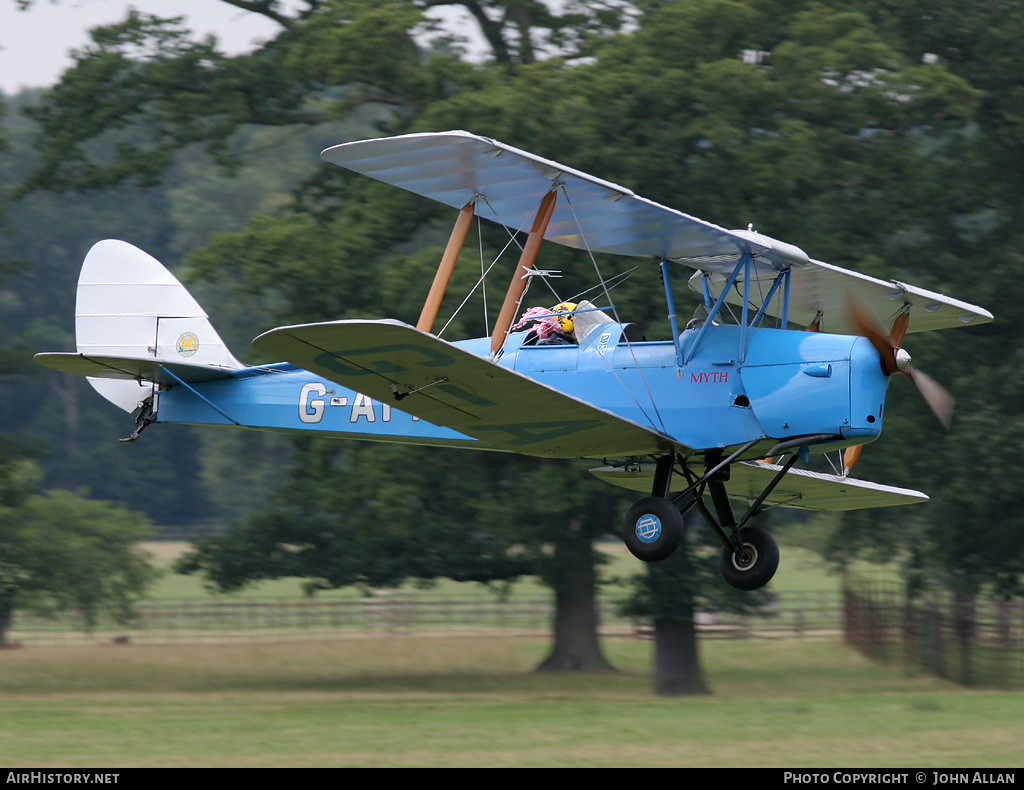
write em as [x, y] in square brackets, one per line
[130, 307]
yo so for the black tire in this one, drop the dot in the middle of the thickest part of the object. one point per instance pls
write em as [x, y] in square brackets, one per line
[652, 529]
[753, 568]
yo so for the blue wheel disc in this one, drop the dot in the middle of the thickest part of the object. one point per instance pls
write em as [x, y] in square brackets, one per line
[648, 528]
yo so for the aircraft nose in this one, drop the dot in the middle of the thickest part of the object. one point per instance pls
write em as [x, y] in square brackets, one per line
[867, 391]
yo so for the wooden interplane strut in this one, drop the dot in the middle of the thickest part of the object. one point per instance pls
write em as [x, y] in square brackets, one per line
[445, 268]
[521, 276]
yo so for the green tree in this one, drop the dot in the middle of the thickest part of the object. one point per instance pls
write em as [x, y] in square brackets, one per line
[58, 550]
[672, 594]
[368, 515]
[559, 512]
[41, 251]
[62, 551]
[330, 57]
[964, 240]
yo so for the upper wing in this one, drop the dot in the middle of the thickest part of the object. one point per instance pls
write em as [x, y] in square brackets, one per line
[449, 386]
[507, 183]
[819, 287]
[456, 167]
[800, 488]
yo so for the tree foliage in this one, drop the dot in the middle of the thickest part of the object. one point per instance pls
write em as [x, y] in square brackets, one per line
[60, 550]
[369, 515]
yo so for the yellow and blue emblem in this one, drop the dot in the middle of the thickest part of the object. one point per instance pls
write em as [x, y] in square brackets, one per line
[188, 344]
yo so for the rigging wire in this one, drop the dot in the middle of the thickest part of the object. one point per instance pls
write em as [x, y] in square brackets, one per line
[482, 281]
[611, 283]
[629, 345]
[483, 272]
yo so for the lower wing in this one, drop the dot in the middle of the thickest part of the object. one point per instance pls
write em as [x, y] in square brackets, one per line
[799, 488]
[450, 386]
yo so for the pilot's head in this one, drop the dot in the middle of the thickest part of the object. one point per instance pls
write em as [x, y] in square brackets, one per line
[564, 321]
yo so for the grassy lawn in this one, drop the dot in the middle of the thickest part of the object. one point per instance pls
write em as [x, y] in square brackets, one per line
[470, 701]
[476, 702]
[800, 570]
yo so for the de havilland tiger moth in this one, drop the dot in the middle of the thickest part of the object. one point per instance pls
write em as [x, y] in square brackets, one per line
[712, 414]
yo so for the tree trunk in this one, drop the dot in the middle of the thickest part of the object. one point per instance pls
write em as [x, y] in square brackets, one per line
[6, 612]
[66, 388]
[576, 646]
[676, 662]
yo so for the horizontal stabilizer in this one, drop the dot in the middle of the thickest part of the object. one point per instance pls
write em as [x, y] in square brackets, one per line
[449, 386]
[800, 488]
[131, 368]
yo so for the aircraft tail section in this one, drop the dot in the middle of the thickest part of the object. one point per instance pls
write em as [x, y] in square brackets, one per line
[134, 321]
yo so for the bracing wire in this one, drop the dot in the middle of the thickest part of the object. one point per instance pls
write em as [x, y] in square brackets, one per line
[612, 282]
[483, 272]
[513, 239]
[480, 283]
[604, 287]
[482, 280]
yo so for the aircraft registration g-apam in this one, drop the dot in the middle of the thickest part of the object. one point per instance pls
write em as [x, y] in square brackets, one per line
[711, 411]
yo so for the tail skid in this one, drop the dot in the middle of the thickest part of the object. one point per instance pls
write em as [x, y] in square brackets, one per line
[134, 321]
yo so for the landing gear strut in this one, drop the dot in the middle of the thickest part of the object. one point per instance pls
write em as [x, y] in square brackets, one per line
[145, 416]
[653, 527]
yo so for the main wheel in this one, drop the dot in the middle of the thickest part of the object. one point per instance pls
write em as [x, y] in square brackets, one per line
[652, 529]
[753, 566]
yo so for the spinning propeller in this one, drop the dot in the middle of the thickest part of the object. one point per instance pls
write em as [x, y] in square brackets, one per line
[896, 360]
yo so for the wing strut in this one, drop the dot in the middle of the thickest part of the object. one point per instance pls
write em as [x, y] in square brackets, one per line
[673, 323]
[741, 265]
[519, 279]
[445, 268]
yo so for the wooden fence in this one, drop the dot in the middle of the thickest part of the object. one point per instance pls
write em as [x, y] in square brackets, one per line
[400, 613]
[967, 639]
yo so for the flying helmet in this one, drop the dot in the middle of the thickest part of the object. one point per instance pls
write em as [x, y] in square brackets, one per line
[564, 321]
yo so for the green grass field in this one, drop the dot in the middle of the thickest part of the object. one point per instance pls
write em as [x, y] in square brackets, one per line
[476, 702]
[473, 701]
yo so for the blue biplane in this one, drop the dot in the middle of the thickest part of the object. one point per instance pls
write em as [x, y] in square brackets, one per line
[716, 410]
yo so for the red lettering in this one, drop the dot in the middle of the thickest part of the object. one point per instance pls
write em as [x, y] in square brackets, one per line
[709, 378]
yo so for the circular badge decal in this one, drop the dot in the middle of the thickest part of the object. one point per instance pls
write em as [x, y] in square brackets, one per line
[188, 344]
[648, 528]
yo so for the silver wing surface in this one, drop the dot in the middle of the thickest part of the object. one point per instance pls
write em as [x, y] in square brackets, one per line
[448, 386]
[800, 488]
[508, 184]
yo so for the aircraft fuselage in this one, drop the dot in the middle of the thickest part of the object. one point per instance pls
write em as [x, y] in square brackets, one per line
[781, 384]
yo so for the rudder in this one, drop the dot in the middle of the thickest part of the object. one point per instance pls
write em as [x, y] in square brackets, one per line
[129, 306]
